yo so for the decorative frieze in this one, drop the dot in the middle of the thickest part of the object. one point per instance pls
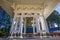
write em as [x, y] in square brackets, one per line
[28, 7]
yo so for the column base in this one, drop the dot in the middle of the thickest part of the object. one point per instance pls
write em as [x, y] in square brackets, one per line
[11, 37]
[34, 33]
[41, 37]
[21, 36]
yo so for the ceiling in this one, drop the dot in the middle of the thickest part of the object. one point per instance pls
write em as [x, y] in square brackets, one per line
[49, 5]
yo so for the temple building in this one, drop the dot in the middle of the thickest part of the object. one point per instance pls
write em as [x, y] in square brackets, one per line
[28, 17]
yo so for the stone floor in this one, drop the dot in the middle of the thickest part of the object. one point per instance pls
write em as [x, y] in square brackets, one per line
[48, 38]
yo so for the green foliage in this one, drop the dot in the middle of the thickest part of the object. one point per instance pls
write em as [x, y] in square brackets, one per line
[4, 33]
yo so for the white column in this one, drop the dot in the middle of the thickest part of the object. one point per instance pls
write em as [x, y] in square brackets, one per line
[37, 25]
[21, 25]
[13, 27]
[44, 23]
[33, 26]
[25, 26]
[11, 35]
[16, 25]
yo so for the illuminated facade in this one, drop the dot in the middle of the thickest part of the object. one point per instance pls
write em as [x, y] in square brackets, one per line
[29, 16]
[33, 21]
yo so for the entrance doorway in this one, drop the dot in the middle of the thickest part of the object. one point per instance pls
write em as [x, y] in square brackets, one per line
[28, 26]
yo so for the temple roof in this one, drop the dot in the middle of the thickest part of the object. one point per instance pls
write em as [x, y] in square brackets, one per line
[49, 5]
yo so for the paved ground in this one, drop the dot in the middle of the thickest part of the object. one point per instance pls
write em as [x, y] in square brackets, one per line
[48, 38]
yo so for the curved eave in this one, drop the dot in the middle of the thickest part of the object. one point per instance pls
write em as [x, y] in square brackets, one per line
[49, 9]
[51, 5]
[7, 8]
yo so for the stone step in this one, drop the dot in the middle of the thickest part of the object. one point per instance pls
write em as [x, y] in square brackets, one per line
[25, 39]
[46, 38]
